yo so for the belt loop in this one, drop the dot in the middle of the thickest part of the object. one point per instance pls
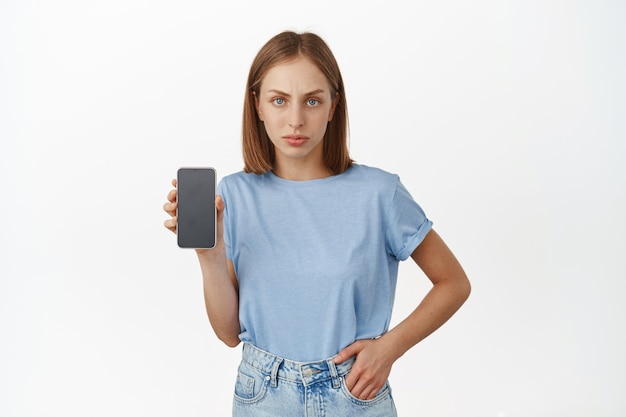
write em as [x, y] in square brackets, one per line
[333, 373]
[274, 375]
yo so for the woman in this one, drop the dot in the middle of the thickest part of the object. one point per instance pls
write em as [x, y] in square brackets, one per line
[306, 262]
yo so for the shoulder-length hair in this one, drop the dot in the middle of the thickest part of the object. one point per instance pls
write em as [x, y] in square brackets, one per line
[258, 150]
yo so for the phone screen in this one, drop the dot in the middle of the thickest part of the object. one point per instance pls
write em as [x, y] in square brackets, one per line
[196, 208]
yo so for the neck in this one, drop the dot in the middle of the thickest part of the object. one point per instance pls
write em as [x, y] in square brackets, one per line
[301, 172]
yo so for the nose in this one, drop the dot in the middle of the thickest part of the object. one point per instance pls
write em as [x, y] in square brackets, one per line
[296, 117]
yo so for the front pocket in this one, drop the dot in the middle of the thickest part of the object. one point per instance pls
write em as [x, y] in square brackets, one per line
[251, 384]
[380, 395]
[244, 387]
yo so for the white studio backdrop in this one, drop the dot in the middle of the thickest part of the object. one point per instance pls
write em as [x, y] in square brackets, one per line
[505, 119]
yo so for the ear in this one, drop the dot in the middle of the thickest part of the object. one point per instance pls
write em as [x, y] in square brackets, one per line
[256, 106]
[333, 107]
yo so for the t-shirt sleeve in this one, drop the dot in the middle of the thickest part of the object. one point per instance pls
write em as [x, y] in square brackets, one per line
[406, 224]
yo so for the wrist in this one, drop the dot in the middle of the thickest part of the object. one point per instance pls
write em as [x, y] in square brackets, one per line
[394, 343]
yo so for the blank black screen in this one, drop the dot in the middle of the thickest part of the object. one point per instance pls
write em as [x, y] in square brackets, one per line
[196, 208]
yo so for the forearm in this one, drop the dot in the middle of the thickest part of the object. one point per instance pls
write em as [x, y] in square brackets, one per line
[441, 302]
[220, 295]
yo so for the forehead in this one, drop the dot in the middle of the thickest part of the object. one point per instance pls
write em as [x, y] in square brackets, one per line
[298, 73]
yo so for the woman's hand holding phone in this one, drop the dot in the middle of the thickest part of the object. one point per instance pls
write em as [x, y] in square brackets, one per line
[170, 208]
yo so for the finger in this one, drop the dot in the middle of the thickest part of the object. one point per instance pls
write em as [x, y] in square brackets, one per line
[364, 389]
[353, 379]
[348, 352]
[359, 390]
[219, 205]
[174, 182]
[172, 195]
[170, 208]
[370, 394]
[171, 224]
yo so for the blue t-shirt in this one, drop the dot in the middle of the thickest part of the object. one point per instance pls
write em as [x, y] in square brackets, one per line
[317, 261]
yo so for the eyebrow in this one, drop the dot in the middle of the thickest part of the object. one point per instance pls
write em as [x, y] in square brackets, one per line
[282, 93]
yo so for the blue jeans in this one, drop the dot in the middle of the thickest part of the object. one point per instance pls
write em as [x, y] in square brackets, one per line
[270, 386]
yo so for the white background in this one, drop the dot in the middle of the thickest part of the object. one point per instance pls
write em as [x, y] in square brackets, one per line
[505, 119]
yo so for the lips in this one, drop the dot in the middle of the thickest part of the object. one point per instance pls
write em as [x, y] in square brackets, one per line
[295, 140]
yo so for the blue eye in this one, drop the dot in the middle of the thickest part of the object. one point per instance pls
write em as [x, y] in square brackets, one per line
[279, 101]
[312, 102]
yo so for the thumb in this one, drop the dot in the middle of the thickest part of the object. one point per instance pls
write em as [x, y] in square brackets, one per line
[348, 352]
[219, 205]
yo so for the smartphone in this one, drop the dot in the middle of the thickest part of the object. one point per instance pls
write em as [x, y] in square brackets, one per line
[196, 208]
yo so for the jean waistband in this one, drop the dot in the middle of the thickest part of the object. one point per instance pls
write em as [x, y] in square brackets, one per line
[306, 373]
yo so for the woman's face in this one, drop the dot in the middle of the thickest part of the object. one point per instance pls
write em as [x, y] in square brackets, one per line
[295, 103]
